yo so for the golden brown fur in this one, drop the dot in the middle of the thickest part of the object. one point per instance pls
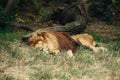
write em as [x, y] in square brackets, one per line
[86, 40]
[51, 41]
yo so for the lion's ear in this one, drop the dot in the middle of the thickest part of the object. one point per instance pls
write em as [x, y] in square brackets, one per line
[39, 34]
[42, 34]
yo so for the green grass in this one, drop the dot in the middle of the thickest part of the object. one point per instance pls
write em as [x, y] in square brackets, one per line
[116, 45]
[25, 63]
[6, 77]
[97, 38]
[11, 36]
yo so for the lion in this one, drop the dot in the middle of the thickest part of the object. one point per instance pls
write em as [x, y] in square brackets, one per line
[88, 41]
[51, 41]
[54, 42]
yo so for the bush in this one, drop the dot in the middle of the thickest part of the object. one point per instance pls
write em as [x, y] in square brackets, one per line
[105, 10]
[5, 18]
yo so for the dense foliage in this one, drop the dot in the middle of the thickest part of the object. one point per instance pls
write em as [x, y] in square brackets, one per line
[106, 10]
[5, 18]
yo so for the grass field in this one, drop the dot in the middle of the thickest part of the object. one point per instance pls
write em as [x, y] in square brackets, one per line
[20, 62]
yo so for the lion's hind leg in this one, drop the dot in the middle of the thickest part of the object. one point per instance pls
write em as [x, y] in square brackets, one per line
[86, 43]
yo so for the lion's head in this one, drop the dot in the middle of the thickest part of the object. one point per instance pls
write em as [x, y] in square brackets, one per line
[33, 38]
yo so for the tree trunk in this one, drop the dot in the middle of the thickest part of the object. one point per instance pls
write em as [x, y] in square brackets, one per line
[76, 26]
[8, 6]
[72, 27]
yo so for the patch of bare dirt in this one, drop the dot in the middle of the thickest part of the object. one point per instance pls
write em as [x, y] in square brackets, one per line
[103, 30]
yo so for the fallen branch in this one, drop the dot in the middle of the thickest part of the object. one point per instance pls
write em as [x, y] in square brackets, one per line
[72, 27]
[16, 25]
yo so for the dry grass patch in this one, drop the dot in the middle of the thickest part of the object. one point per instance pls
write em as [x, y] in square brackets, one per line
[18, 62]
